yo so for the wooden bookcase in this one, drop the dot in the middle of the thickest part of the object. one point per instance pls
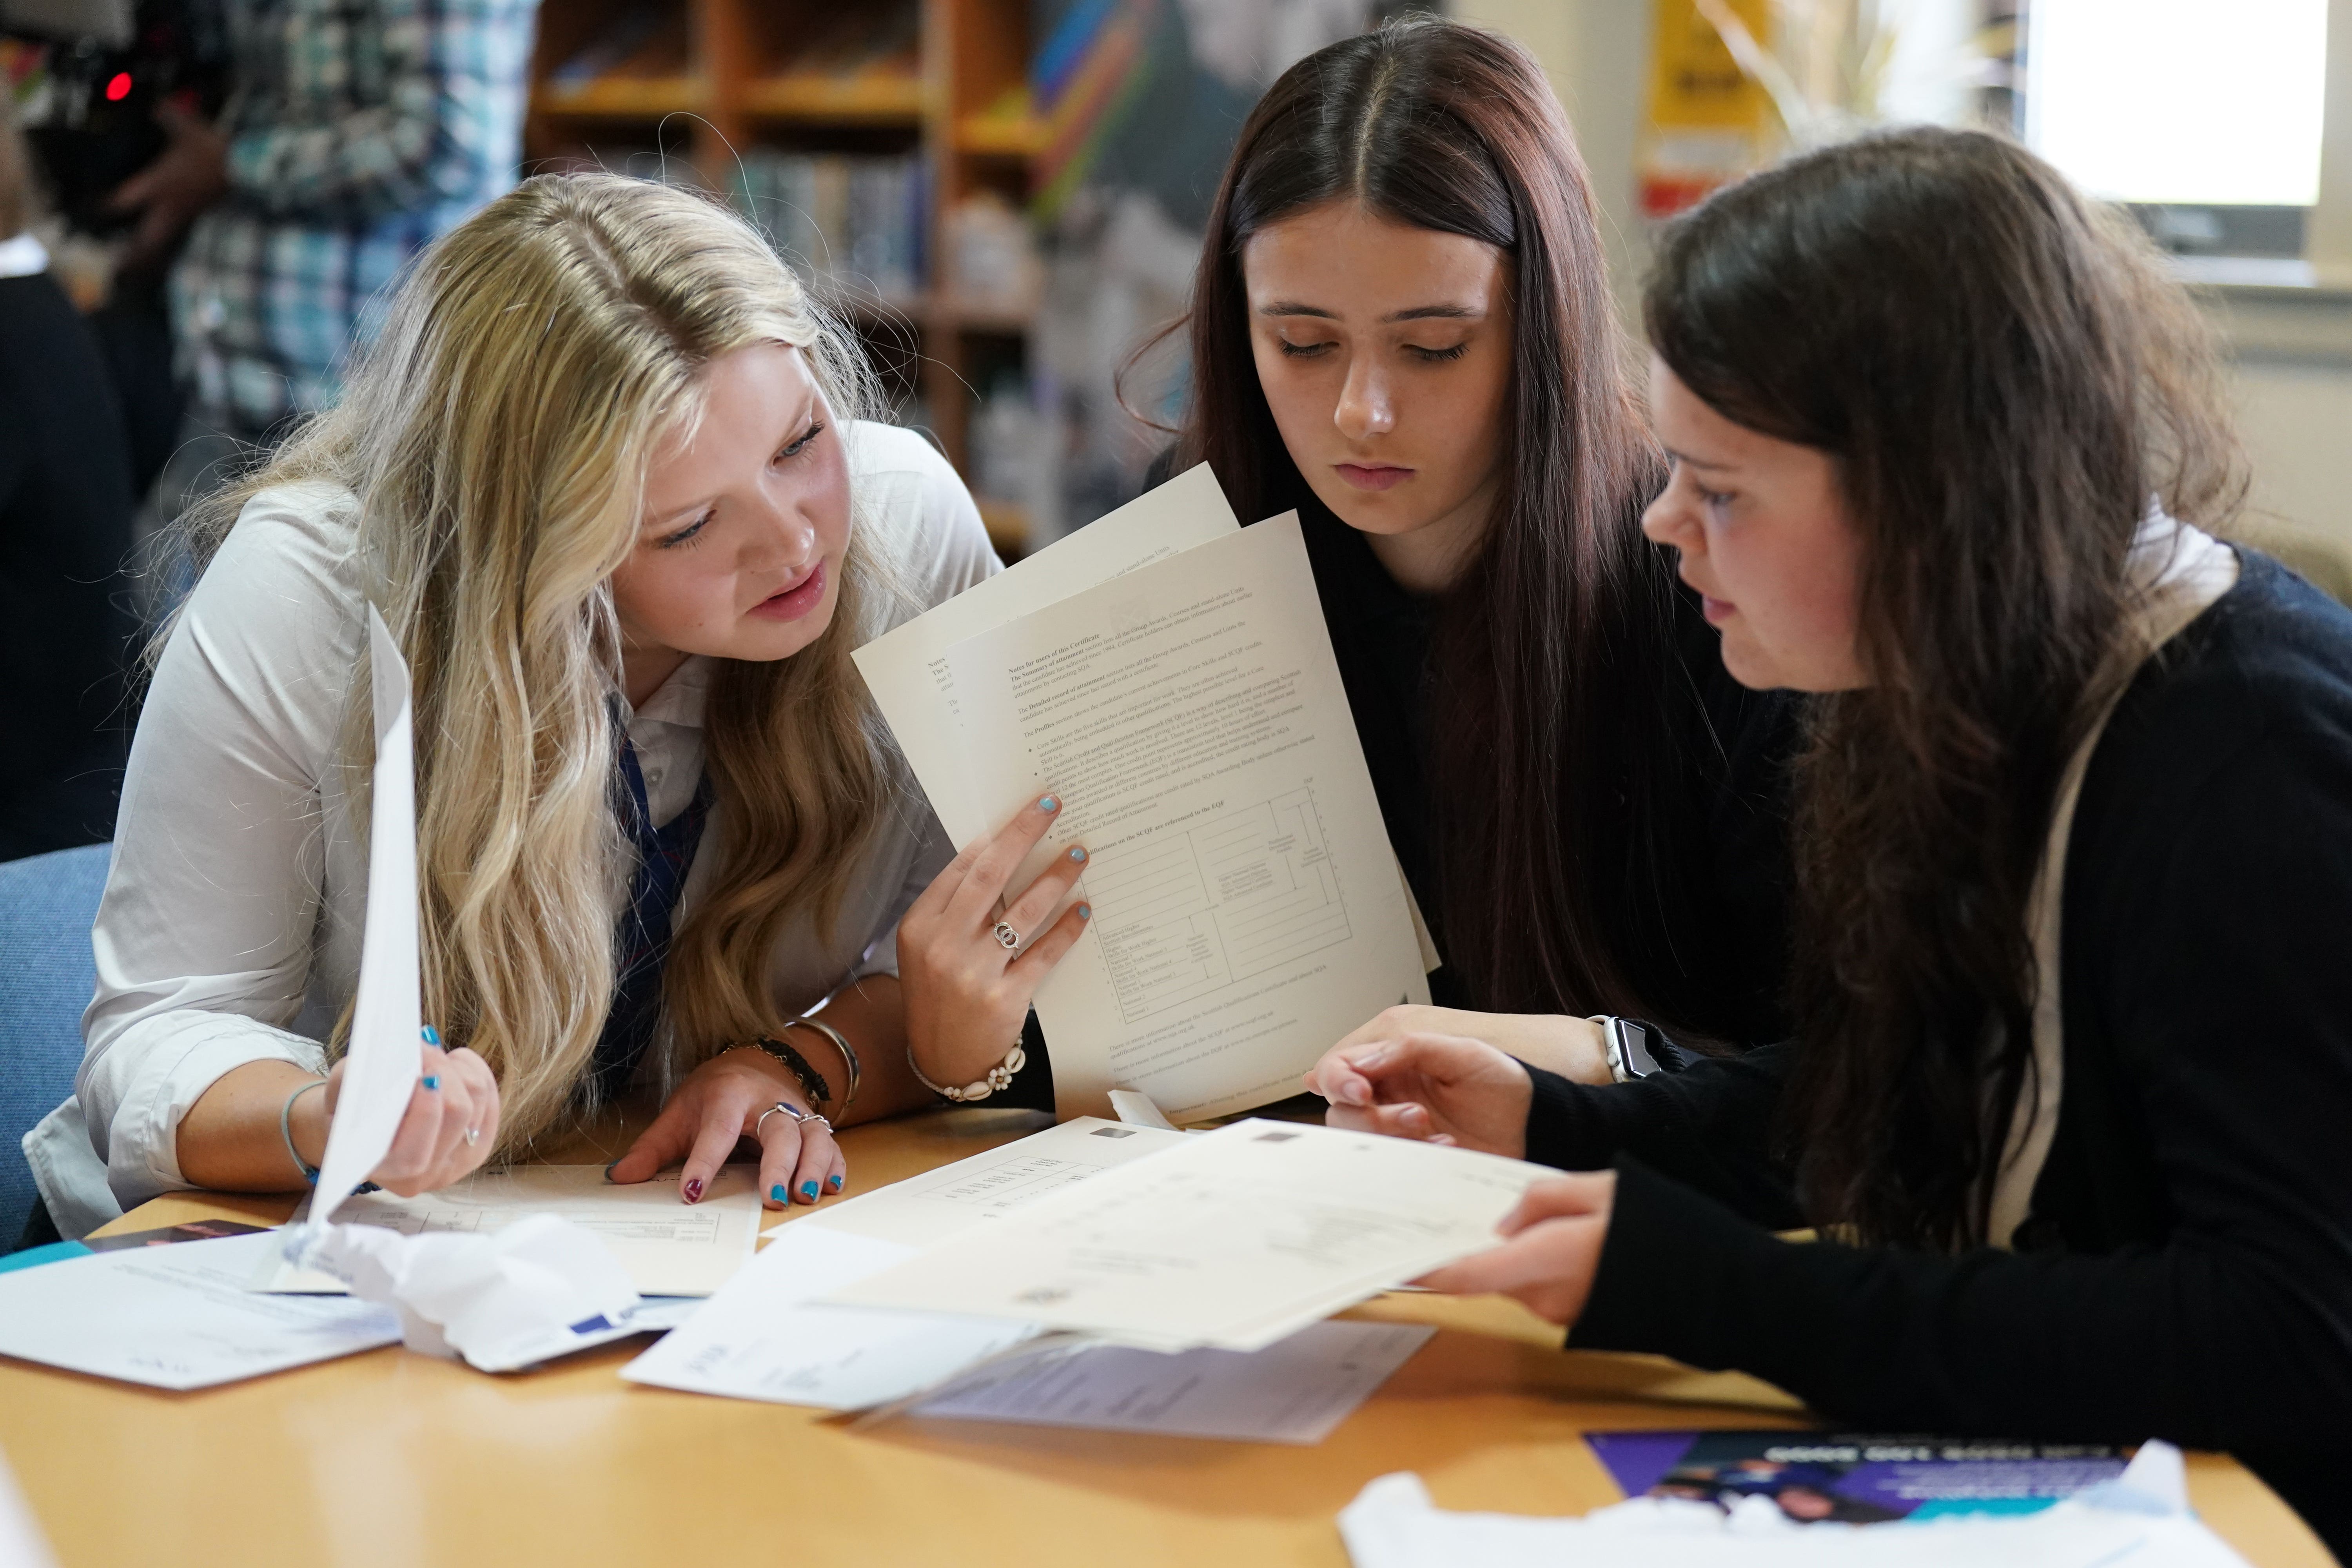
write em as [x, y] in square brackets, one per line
[708, 80]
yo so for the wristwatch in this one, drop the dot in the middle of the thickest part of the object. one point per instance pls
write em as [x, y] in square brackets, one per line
[1636, 1049]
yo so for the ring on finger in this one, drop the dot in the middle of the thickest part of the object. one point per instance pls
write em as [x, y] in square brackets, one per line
[792, 1111]
[1007, 936]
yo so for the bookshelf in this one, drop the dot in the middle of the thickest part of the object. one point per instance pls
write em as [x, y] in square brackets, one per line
[711, 81]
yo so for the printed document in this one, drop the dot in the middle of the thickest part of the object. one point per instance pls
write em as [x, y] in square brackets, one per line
[763, 1338]
[379, 1069]
[1247, 910]
[1295, 1390]
[1233, 1238]
[906, 669]
[986, 1187]
[668, 1247]
[178, 1317]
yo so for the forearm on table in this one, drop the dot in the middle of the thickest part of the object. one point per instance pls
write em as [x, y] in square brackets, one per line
[871, 1014]
[230, 1141]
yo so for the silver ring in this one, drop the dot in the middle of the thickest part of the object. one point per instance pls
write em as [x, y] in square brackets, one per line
[1005, 934]
[473, 1135]
[792, 1110]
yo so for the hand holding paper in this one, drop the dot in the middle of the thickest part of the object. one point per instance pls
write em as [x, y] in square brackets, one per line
[379, 1069]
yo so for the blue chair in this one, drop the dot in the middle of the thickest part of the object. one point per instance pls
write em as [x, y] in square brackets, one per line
[48, 904]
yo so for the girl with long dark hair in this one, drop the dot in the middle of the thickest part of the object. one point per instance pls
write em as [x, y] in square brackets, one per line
[1400, 327]
[2073, 1057]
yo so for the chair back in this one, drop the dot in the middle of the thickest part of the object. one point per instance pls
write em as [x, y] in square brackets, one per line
[48, 904]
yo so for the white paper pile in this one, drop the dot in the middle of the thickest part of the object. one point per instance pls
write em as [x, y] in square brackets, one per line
[1231, 1239]
[2141, 1518]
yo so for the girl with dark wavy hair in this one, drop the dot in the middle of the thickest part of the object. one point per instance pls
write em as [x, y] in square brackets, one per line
[2074, 830]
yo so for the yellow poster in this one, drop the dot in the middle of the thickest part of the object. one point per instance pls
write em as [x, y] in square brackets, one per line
[1709, 121]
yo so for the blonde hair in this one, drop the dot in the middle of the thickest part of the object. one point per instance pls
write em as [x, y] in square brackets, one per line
[497, 436]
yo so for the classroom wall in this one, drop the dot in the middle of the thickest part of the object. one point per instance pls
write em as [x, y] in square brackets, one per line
[2295, 412]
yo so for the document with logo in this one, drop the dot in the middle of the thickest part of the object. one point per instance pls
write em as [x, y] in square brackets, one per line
[1231, 1239]
[1247, 911]
[179, 1317]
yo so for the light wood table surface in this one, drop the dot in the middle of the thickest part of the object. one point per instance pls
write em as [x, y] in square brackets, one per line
[396, 1460]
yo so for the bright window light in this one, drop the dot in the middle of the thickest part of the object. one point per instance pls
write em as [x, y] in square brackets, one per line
[2182, 102]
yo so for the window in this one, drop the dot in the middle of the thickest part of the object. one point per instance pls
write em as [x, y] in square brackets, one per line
[2205, 116]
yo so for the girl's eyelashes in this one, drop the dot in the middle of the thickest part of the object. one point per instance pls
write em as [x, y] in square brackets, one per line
[795, 448]
[1301, 351]
[1437, 356]
[686, 535]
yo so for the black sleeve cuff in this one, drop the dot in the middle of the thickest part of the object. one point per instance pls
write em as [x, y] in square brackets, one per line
[1564, 1130]
[1672, 1275]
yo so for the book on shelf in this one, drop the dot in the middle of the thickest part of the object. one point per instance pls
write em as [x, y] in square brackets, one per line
[850, 224]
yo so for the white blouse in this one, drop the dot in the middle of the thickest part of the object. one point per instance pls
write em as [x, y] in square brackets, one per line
[230, 928]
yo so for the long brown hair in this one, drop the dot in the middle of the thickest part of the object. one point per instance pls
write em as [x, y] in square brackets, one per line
[1551, 652]
[2008, 380]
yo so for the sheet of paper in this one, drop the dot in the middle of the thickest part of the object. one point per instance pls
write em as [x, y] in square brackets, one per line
[1227, 1238]
[987, 1187]
[178, 1317]
[381, 1068]
[763, 1338]
[1247, 908]
[22, 1544]
[1294, 1391]
[907, 668]
[668, 1247]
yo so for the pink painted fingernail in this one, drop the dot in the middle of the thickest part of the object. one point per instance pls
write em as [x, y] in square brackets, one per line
[694, 1189]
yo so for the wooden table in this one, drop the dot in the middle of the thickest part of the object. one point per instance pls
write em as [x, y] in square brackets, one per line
[395, 1460]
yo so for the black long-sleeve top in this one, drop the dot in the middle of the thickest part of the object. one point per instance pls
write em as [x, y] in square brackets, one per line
[65, 530]
[2186, 1267]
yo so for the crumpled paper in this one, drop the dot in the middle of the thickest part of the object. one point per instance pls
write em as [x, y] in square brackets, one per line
[2143, 1514]
[542, 1286]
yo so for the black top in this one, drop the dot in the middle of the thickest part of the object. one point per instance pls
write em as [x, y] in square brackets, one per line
[2186, 1269]
[1721, 970]
[64, 532]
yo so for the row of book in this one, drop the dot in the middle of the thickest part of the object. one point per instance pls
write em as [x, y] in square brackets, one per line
[851, 223]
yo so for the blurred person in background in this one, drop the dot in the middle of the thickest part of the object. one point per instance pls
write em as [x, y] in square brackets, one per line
[354, 132]
[64, 528]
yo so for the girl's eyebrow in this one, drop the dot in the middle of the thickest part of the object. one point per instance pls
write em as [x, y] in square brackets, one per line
[1449, 312]
[1688, 462]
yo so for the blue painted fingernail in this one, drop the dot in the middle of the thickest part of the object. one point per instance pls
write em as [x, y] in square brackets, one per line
[834, 1181]
[1076, 853]
[432, 1036]
[1085, 912]
[808, 1191]
[608, 1167]
[1047, 802]
[431, 1080]
[778, 1194]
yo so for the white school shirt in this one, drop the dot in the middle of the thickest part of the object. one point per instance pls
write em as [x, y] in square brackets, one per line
[230, 928]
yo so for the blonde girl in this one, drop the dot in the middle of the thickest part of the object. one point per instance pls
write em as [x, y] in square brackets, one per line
[604, 475]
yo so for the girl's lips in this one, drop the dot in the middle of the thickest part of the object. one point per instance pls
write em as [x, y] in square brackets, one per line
[1716, 611]
[1373, 476]
[796, 601]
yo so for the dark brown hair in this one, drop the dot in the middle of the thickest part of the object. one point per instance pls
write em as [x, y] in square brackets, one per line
[1549, 733]
[2008, 380]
